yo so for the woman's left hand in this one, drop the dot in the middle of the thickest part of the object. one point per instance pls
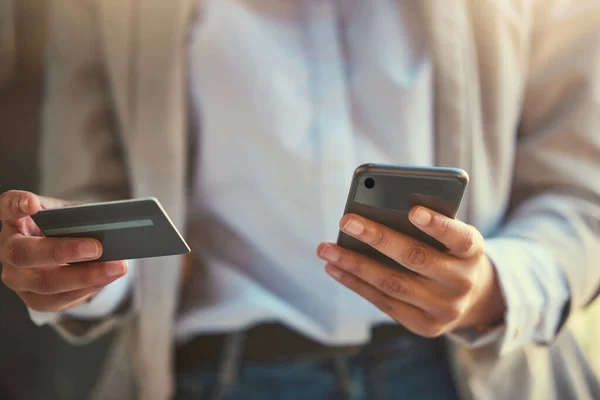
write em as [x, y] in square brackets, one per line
[439, 291]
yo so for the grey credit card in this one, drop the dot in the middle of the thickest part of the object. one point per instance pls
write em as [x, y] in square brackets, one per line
[128, 229]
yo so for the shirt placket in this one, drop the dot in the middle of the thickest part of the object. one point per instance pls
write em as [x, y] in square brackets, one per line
[333, 137]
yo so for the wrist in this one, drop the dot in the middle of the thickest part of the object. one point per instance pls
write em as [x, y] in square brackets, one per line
[488, 308]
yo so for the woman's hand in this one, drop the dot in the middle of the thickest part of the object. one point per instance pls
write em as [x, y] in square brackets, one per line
[439, 291]
[37, 267]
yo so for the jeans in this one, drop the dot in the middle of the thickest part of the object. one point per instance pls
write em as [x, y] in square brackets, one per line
[410, 368]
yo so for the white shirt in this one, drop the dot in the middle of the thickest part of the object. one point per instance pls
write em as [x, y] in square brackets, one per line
[311, 93]
[291, 96]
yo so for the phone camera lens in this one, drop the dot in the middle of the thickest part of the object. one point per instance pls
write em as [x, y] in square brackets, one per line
[369, 183]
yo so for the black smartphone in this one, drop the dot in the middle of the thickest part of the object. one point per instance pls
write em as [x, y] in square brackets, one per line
[386, 193]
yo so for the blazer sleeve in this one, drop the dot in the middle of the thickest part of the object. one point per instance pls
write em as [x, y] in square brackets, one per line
[556, 191]
[81, 151]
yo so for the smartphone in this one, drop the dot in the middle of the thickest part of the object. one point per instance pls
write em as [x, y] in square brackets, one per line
[127, 229]
[386, 193]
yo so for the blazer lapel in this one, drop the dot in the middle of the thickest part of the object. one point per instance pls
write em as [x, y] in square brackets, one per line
[154, 95]
[116, 16]
[450, 42]
[159, 101]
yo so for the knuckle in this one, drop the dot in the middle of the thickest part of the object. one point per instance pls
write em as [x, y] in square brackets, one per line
[379, 238]
[16, 254]
[466, 284]
[396, 285]
[20, 225]
[468, 239]
[454, 312]
[416, 255]
[16, 202]
[39, 283]
[445, 225]
[354, 265]
[445, 268]
[57, 253]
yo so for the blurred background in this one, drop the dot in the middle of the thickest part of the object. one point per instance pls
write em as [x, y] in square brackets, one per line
[35, 363]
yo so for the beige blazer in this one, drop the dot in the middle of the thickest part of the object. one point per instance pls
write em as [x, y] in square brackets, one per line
[517, 105]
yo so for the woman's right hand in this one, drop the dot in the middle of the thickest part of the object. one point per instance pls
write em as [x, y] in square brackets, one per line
[36, 267]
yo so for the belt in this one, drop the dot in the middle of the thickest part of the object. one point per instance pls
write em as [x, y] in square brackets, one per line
[275, 342]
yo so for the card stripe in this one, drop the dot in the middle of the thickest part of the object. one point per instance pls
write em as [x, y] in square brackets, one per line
[140, 223]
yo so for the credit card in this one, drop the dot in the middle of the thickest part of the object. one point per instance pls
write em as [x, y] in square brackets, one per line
[127, 229]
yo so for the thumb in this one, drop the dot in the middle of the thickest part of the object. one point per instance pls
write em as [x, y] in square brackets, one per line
[16, 204]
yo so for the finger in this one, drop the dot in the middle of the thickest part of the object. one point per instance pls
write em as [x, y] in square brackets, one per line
[401, 285]
[50, 281]
[405, 250]
[57, 302]
[51, 203]
[30, 252]
[28, 227]
[460, 239]
[16, 204]
[411, 317]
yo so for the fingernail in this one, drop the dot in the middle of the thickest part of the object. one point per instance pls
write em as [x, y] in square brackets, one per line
[24, 204]
[329, 253]
[115, 269]
[353, 227]
[421, 216]
[88, 249]
[333, 271]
